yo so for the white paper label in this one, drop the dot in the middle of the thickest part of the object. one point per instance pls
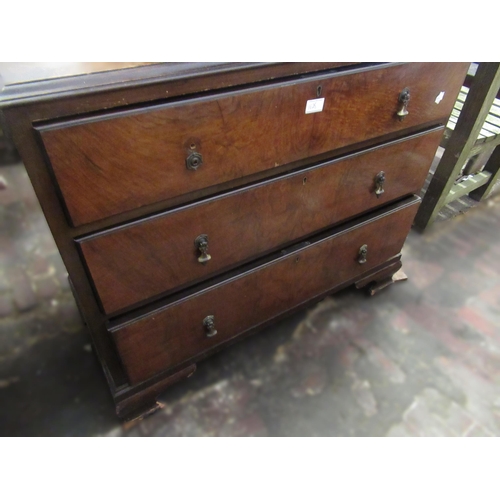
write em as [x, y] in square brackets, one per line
[315, 105]
[439, 98]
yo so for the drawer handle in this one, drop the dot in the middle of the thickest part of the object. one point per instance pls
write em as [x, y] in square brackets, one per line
[404, 99]
[379, 183]
[209, 325]
[194, 161]
[363, 252]
[201, 244]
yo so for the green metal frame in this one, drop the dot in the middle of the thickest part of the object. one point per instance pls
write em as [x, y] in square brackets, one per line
[461, 146]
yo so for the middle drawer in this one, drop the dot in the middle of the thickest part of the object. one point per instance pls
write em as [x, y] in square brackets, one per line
[143, 260]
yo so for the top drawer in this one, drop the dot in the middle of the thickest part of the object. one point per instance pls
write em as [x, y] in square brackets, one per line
[111, 164]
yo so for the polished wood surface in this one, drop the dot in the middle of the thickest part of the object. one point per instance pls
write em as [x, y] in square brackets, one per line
[126, 93]
[102, 85]
[15, 73]
[121, 161]
[176, 333]
[145, 259]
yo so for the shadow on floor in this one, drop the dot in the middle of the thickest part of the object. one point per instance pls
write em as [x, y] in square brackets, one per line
[422, 358]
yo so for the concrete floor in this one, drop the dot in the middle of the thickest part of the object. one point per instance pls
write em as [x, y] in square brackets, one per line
[420, 359]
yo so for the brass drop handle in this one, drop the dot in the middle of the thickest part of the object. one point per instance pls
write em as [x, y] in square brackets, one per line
[404, 99]
[363, 252]
[201, 244]
[209, 325]
[379, 184]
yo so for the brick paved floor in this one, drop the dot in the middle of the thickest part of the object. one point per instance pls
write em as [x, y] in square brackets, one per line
[422, 358]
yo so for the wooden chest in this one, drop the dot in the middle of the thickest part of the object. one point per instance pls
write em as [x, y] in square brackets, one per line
[194, 203]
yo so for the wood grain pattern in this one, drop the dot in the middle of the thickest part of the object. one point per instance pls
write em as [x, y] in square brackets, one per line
[122, 183]
[142, 260]
[112, 88]
[175, 333]
[116, 163]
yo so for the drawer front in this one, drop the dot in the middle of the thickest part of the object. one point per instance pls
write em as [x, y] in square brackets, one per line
[143, 260]
[109, 165]
[181, 330]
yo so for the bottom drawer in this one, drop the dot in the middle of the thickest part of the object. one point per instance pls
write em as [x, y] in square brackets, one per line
[185, 328]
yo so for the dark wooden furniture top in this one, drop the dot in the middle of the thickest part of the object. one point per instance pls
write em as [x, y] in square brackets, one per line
[194, 203]
[16, 73]
[35, 82]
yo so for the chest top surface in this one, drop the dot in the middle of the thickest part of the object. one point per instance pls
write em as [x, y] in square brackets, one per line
[26, 83]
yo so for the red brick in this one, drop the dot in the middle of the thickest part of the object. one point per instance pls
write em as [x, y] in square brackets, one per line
[479, 322]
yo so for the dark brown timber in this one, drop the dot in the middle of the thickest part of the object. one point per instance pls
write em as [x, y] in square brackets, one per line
[118, 144]
[145, 259]
[121, 161]
[177, 332]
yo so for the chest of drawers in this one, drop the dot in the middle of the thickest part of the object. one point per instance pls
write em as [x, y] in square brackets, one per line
[195, 203]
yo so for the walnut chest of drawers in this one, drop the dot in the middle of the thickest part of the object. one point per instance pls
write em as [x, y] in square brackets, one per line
[194, 203]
